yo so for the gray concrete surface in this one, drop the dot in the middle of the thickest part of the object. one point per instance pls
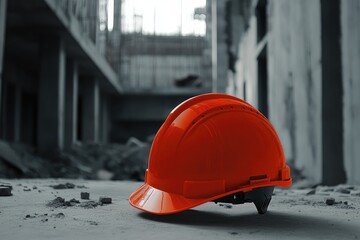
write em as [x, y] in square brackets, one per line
[312, 54]
[292, 215]
[351, 84]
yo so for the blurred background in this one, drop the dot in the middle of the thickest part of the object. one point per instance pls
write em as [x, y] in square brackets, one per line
[85, 84]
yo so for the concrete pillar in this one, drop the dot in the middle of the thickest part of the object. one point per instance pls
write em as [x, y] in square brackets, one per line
[90, 107]
[2, 47]
[17, 112]
[71, 103]
[332, 94]
[51, 96]
[104, 119]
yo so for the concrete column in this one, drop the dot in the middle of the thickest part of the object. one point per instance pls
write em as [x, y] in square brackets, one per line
[71, 103]
[90, 107]
[2, 47]
[17, 112]
[51, 96]
[104, 116]
[332, 94]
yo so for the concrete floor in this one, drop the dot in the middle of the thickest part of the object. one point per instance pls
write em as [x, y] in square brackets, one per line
[292, 214]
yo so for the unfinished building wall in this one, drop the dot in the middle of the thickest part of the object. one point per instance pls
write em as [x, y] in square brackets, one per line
[159, 71]
[294, 68]
[246, 74]
[350, 17]
[278, 70]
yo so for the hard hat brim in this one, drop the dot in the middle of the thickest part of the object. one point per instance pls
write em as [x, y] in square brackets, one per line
[155, 201]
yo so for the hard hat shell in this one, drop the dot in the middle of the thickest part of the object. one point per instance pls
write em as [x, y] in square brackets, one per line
[210, 146]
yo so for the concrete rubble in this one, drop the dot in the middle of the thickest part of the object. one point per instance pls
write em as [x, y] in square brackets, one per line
[293, 213]
[5, 191]
[85, 195]
[88, 161]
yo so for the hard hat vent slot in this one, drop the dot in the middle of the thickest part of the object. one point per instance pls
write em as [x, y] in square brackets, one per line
[258, 177]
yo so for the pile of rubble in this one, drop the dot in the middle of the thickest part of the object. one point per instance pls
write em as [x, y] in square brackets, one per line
[86, 161]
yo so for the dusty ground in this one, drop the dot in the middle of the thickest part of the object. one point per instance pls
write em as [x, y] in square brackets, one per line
[293, 214]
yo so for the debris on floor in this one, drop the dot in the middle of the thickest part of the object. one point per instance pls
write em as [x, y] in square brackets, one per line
[60, 202]
[57, 202]
[89, 204]
[45, 217]
[63, 186]
[87, 161]
[105, 200]
[330, 201]
[5, 191]
[85, 195]
[292, 212]
[58, 215]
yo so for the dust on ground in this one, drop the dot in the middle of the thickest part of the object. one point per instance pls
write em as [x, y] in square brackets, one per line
[295, 213]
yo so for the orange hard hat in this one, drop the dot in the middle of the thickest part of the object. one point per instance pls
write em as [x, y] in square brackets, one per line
[212, 147]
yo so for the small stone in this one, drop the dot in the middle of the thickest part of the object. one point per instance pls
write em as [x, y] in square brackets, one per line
[93, 223]
[89, 204]
[63, 186]
[74, 201]
[57, 202]
[27, 189]
[85, 195]
[59, 186]
[68, 204]
[58, 215]
[70, 185]
[346, 202]
[6, 185]
[34, 187]
[5, 191]
[330, 201]
[105, 200]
